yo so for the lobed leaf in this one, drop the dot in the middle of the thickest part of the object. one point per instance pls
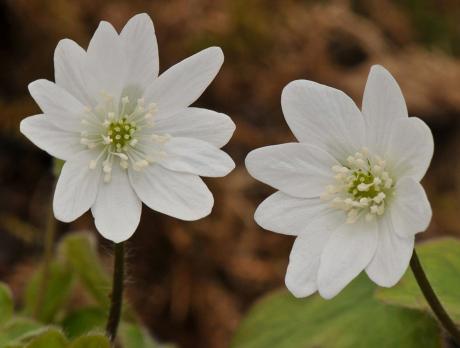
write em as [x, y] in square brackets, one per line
[440, 259]
[354, 318]
[79, 250]
[6, 303]
[55, 296]
[91, 341]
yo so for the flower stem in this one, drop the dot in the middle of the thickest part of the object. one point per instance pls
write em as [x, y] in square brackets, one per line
[50, 232]
[117, 291]
[432, 299]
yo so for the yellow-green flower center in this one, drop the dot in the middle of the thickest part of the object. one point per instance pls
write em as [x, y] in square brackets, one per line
[120, 133]
[362, 177]
[361, 187]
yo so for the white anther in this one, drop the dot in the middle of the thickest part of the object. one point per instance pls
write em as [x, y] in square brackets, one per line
[107, 140]
[92, 164]
[369, 217]
[349, 201]
[142, 163]
[388, 183]
[122, 156]
[124, 164]
[363, 187]
[107, 178]
[152, 107]
[160, 138]
[125, 100]
[107, 168]
[377, 169]
[379, 198]
[133, 142]
[377, 181]
[352, 216]
[336, 168]
[337, 202]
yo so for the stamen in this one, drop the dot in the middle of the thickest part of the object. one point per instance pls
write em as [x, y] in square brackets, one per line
[361, 186]
[122, 137]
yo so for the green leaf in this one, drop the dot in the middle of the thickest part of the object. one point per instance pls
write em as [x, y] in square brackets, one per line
[56, 294]
[440, 259]
[6, 303]
[17, 328]
[84, 320]
[91, 341]
[352, 319]
[133, 335]
[51, 338]
[79, 249]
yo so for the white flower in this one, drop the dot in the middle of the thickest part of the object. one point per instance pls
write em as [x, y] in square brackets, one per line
[128, 135]
[350, 189]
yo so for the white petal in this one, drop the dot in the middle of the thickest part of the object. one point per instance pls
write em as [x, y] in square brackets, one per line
[289, 215]
[106, 63]
[304, 260]
[183, 83]
[180, 195]
[69, 65]
[206, 125]
[44, 134]
[300, 170]
[410, 208]
[117, 210]
[63, 109]
[349, 250]
[383, 102]
[392, 256]
[323, 116]
[140, 46]
[196, 157]
[410, 148]
[76, 188]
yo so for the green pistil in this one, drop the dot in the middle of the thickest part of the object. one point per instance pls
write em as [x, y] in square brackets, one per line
[121, 133]
[362, 177]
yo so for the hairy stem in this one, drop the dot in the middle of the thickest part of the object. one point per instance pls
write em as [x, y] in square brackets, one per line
[117, 291]
[432, 299]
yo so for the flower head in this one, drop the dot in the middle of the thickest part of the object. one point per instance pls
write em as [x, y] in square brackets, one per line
[349, 190]
[128, 135]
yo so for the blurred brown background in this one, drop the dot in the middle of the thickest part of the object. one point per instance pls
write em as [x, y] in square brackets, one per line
[192, 282]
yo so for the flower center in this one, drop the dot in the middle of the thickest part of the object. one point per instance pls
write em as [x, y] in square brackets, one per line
[120, 133]
[361, 187]
[126, 136]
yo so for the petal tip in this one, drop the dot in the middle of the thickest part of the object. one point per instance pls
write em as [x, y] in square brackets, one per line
[217, 52]
[299, 292]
